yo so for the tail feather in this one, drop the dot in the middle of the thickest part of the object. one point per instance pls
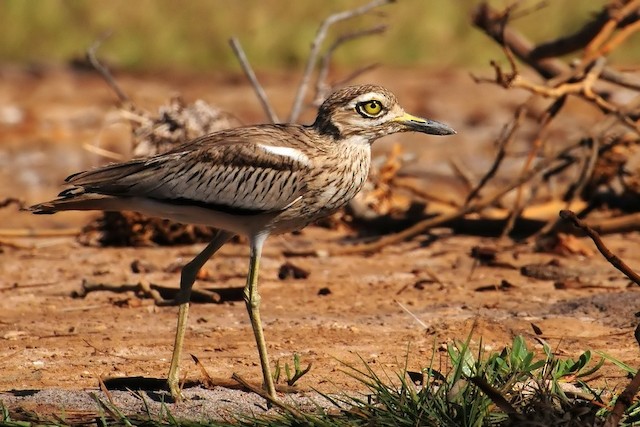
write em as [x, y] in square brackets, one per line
[106, 173]
[69, 201]
[96, 189]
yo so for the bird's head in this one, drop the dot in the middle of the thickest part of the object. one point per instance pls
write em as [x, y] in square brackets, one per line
[367, 112]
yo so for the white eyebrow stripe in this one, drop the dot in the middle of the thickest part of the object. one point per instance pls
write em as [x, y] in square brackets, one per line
[365, 97]
[292, 153]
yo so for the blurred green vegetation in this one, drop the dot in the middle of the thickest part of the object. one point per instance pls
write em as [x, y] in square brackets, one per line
[193, 34]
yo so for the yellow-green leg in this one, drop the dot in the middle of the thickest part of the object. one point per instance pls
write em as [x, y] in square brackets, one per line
[252, 299]
[187, 278]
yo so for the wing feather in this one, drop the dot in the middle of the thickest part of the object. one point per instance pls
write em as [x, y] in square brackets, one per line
[225, 170]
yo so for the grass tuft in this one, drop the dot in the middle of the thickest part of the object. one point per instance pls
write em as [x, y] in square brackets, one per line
[513, 387]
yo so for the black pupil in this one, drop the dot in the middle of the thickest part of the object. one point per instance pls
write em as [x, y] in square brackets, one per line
[370, 108]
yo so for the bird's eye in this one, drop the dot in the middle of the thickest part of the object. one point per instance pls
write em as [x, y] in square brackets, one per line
[372, 108]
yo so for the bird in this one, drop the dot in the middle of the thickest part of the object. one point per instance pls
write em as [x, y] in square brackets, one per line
[253, 181]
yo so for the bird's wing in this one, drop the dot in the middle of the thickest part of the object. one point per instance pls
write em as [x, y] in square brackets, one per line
[225, 171]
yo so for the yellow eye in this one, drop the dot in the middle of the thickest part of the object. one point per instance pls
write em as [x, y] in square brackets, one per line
[371, 108]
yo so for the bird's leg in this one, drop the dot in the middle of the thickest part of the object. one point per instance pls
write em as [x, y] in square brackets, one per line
[252, 299]
[187, 278]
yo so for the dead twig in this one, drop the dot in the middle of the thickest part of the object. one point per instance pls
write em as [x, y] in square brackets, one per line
[492, 23]
[107, 154]
[506, 136]
[251, 75]
[321, 35]
[104, 389]
[205, 374]
[575, 189]
[495, 395]
[104, 71]
[572, 42]
[410, 313]
[112, 354]
[537, 147]
[462, 172]
[420, 191]
[322, 87]
[593, 49]
[540, 57]
[609, 256]
[8, 201]
[355, 74]
[619, 38]
[623, 402]
[620, 224]
[160, 294]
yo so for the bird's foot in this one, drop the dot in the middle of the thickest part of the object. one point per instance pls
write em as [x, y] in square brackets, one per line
[174, 389]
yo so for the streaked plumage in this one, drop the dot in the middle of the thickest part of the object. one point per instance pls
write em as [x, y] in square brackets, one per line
[253, 180]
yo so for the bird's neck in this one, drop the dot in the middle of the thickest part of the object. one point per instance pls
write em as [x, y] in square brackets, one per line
[326, 128]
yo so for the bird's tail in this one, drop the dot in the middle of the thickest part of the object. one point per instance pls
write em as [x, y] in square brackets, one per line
[76, 199]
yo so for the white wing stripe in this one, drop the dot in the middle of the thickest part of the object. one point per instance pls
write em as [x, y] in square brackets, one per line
[292, 153]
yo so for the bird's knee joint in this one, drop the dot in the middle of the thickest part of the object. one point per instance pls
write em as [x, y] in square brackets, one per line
[252, 301]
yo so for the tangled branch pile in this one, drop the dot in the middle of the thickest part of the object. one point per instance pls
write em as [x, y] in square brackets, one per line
[153, 133]
[598, 168]
[601, 165]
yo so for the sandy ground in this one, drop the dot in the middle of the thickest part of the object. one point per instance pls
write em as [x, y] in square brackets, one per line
[55, 347]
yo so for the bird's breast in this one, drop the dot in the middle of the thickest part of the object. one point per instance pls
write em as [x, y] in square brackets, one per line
[333, 180]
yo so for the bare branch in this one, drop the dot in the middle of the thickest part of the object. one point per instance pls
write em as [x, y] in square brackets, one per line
[571, 43]
[321, 34]
[505, 138]
[270, 400]
[619, 38]
[12, 201]
[592, 50]
[248, 71]
[624, 401]
[462, 172]
[104, 71]
[355, 74]
[537, 147]
[322, 87]
[492, 23]
[609, 256]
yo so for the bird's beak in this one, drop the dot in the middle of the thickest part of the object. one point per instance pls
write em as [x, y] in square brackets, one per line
[418, 124]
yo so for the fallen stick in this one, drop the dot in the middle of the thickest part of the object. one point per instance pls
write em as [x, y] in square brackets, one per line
[609, 256]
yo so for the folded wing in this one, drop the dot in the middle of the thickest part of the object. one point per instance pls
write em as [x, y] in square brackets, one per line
[223, 171]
